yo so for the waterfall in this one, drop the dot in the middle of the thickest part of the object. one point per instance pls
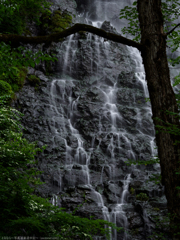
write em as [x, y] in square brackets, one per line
[111, 127]
[93, 116]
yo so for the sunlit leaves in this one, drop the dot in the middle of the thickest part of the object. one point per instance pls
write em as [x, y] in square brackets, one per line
[170, 10]
[131, 14]
[177, 78]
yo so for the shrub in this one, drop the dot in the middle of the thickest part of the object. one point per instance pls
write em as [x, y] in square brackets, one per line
[142, 197]
[17, 81]
[16, 14]
[5, 88]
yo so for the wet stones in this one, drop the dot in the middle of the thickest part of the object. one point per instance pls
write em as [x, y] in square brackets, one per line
[93, 117]
[135, 220]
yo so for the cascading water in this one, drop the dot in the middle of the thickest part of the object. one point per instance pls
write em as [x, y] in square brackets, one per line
[93, 116]
[117, 138]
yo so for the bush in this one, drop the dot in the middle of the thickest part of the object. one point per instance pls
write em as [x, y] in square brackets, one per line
[15, 14]
[17, 81]
[5, 88]
[142, 197]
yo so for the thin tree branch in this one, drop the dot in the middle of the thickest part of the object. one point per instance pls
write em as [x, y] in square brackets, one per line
[172, 29]
[18, 40]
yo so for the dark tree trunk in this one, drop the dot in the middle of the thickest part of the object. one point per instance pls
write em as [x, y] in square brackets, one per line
[162, 98]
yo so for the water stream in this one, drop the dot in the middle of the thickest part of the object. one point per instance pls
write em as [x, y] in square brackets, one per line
[66, 106]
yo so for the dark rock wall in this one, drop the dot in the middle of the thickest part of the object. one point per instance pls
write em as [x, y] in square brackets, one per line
[92, 115]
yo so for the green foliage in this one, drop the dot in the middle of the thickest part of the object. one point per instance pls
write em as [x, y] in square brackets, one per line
[22, 212]
[143, 162]
[142, 197]
[17, 81]
[33, 80]
[15, 14]
[132, 191]
[56, 22]
[168, 127]
[155, 178]
[161, 224]
[170, 12]
[177, 78]
[60, 21]
[48, 220]
[147, 99]
[131, 14]
[14, 63]
[5, 88]
[15, 154]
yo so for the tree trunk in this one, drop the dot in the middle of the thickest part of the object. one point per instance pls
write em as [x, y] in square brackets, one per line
[162, 98]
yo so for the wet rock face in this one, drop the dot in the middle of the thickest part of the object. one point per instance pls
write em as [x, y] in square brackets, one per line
[68, 5]
[93, 117]
[99, 10]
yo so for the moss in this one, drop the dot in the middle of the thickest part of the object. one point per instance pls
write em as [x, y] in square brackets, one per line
[18, 81]
[22, 76]
[5, 88]
[58, 21]
[132, 190]
[34, 81]
[156, 209]
[142, 197]
[45, 22]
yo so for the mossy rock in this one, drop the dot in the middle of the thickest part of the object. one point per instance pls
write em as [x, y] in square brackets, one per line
[34, 80]
[55, 22]
[5, 88]
[132, 190]
[45, 22]
[60, 21]
[17, 81]
[142, 197]
[22, 76]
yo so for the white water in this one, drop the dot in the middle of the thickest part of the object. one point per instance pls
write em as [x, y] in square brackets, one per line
[77, 155]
